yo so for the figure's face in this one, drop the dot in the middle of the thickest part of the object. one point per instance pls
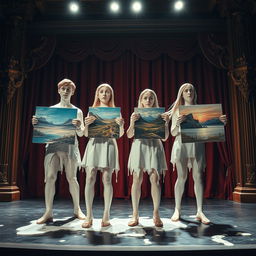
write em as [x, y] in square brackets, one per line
[104, 95]
[147, 100]
[188, 94]
[66, 91]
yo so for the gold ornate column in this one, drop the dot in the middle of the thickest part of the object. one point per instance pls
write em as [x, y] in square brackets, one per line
[242, 84]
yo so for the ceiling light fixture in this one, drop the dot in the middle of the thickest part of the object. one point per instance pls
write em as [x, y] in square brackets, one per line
[136, 6]
[74, 7]
[178, 5]
[114, 6]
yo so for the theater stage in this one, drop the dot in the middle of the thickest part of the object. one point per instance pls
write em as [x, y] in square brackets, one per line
[232, 231]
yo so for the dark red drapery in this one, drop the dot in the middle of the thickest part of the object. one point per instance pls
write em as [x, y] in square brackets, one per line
[129, 66]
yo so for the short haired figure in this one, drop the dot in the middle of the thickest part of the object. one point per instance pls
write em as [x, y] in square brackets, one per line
[187, 155]
[59, 155]
[100, 154]
[146, 155]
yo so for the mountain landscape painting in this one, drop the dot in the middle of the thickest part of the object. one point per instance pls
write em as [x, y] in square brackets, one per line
[104, 125]
[150, 124]
[202, 123]
[54, 125]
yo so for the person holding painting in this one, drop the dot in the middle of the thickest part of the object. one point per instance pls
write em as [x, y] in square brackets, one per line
[186, 156]
[100, 154]
[146, 155]
[59, 155]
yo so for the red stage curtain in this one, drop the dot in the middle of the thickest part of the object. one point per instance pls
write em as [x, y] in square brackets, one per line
[130, 67]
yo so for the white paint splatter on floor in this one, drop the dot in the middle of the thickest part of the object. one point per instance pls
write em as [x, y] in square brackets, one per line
[219, 239]
[147, 242]
[243, 234]
[118, 227]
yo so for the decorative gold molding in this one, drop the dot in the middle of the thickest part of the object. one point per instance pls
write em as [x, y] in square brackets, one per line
[16, 78]
[239, 78]
[3, 174]
[251, 174]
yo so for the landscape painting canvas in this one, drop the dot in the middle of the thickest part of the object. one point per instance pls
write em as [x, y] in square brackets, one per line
[54, 125]
[202, 123]
[150, 124]
[104, 125]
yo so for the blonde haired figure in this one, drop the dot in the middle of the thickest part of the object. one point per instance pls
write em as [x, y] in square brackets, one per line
[59, 155]
[187, 155]
[146, 155]
[100, 154]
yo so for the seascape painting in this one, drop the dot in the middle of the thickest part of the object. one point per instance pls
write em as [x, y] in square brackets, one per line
[104, 125]
[150, 124]
[202, 123]
[54, 125]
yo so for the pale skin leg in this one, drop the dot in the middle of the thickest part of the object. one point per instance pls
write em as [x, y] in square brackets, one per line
[199, 192]
[108, 195]
[135, 194]
[156, 195]
[89, 195]
[49, 189]
[182, 173]
[71, 171]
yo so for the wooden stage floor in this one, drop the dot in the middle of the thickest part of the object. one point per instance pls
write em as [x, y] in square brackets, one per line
[232, 231]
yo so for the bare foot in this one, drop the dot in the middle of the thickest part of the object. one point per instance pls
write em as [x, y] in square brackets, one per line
[79, 215]
[157, 221]
[133, 222]
[47, 217]
[176, 215]
[105, 223]
[105, 220]
[202, 218]
[87, 224]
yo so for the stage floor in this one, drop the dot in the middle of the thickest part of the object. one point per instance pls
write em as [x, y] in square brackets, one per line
[233, 228]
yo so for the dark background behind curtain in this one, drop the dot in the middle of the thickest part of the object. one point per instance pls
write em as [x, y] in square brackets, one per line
[129, 66]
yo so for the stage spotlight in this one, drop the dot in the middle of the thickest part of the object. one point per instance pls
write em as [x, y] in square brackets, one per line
[178, 5]
[136, 6]
[114, 6]
[74, 7]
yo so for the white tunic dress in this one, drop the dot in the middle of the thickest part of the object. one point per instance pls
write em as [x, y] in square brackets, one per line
[101, 153]
[147, 154]
[186, 153]
[71, 151]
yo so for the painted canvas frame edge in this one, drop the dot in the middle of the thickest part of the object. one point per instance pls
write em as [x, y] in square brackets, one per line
[46, 128]
[147, 130]
[104, 128]
[215, 128]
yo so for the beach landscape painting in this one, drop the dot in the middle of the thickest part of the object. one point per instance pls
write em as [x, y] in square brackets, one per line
[104, 125]
[150, 124]
[54, 125]
[202, 123]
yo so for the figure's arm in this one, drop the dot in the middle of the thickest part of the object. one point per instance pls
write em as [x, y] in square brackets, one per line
[166, 118]
[78, 123]
[223, 119]
[176, 121]
[34, 120]
[133, 119]
[87, 121]
[120, 122]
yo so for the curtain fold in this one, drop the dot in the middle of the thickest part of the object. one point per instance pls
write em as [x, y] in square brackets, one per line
[77, 49]
[129, 66]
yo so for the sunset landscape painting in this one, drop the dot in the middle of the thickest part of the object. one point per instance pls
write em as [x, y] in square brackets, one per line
[104, 125]
[54, 125]
[150, 124]
[202, 123]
